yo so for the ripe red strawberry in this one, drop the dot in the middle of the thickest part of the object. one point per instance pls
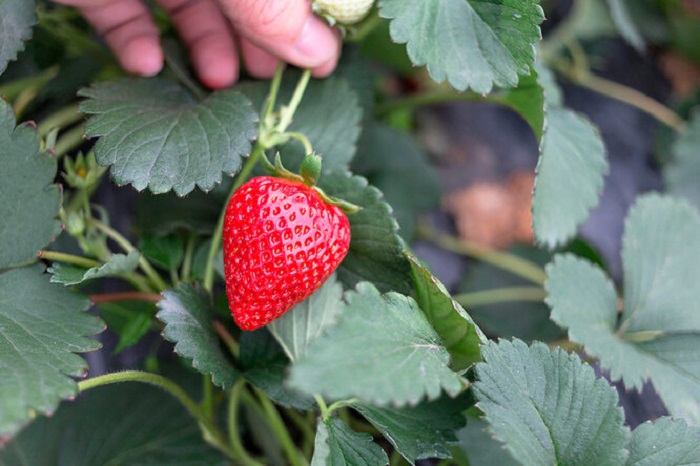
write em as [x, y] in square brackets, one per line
[281, 241]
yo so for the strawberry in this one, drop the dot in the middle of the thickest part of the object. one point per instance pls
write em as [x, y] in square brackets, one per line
[344, 11]
[281, 241]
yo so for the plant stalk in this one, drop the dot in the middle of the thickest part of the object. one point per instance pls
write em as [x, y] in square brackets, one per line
[501, 295]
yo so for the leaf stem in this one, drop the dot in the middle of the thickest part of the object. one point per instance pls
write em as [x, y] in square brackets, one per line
[301, 137]
[186, 270]
[69, 259]
[503, 260]
[211, 432]
[427, 98]
[234, 401]
[620, 92]
[287, 111]
[124, 296]
[59, 120]
[128, 247]
[501, 295]
[274, 419]
[69, 141]
[228, 340]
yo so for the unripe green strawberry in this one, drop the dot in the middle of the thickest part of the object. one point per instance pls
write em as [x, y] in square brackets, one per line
[281, 241]
[344, 11]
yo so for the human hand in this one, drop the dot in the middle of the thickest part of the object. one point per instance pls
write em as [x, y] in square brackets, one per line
[218, 33]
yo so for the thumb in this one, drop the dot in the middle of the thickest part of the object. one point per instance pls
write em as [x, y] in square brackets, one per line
[286, 29]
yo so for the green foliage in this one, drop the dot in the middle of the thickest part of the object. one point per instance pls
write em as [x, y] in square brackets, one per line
[658, 334]
[17, 17]
[681, 174]
[302, 324]
[153, 134]
[666, 442]
[329, 117]
[460, 335]
[117, 264]
[423, 431]
[337, 445]
[571, 150]
[30, 200]
[188, 318]
[376, 249]
[495, 48]
[392, 361]
[359, 358]
[394, 163]
[126, 423]
[38, 361]
[548, 407]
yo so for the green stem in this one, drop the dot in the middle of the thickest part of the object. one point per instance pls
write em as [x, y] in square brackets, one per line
[428, 98]
[69, 259]
[69, 141]
[287, 112]
[11, 90]
[325, 413]
[503, 260]
[60, 119]
[501, 295]
[305, 428]
[365, 28]
[308, 148]
[128, 247]
[211, 432]
[208, 395]
[277, 425]
[274, 90]
[233, 433]
[228, 340]
[186, 270]
[619, 92]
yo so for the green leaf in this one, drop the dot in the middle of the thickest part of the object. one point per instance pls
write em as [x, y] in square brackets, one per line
[528, 100]
[155, 134]
[165, 251]
[548, 407]
[130, 320]
[625, 24]
[197, 212]
[376, 249]
[189, 323]
[666, 442]
[329, 115]
[119, 424]
[658, 335]
[393, 162]
[569, 176]
[470, 43]
[480, 448]
[423, 431]
[460, 335]
[41, 326]
[682, 173]
[116, 265]
[382, 351]
[265, 365]
[302, 324]
[17, 18]
[338, 445]
[30, 200]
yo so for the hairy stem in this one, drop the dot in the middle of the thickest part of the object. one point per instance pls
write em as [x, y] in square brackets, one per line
[69, 259]
[61, 119]
[501, 295]
[274, 420]
[234, 402]
[128, 247]
[503, 260]
[125, 296]
[211, 432]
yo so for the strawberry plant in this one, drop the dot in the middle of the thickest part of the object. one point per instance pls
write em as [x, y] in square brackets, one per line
[236, 276]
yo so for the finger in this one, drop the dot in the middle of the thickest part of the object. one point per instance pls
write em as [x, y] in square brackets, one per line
[127, 28]
[258, 62]
[205, 31]
[284, 28]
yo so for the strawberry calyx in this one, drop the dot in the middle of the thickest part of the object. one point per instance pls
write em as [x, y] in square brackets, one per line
[310, 171]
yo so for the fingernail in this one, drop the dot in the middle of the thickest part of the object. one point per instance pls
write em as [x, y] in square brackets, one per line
[317, 43]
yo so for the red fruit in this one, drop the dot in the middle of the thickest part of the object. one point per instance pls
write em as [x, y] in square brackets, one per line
[281, 241]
